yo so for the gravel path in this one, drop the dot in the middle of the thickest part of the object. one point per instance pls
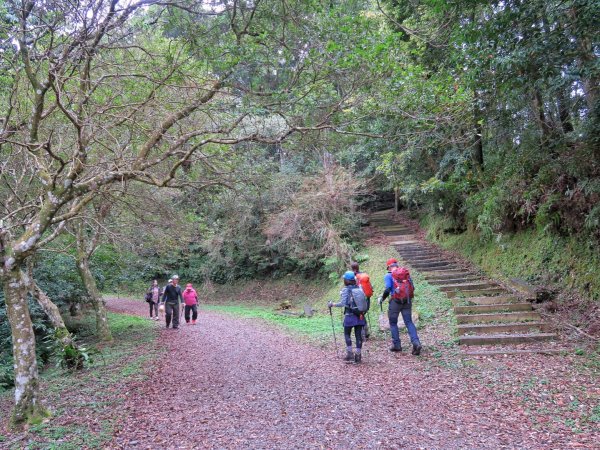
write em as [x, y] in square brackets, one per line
[238, 383]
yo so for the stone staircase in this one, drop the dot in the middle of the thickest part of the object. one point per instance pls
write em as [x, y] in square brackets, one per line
[486, 312]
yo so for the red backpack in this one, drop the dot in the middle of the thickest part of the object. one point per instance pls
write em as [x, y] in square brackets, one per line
[365, 283]
[404, 290]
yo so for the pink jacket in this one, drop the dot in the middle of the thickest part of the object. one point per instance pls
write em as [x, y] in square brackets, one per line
[190, 297]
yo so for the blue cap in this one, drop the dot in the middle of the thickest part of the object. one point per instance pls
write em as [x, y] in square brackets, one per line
[349, 275]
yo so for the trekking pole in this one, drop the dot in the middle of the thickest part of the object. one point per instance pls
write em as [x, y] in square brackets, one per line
[333, 330]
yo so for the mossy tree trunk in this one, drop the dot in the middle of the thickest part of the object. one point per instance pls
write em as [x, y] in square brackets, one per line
[83, 266]
[62, 334]
[28, 408]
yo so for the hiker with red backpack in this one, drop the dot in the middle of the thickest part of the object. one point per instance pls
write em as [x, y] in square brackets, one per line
[354, 302]
[363, 280]
[400, 288]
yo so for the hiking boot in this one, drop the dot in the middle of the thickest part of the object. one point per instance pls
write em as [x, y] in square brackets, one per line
[357, 358]
[349, 357]
[416, 350]
[396, 348]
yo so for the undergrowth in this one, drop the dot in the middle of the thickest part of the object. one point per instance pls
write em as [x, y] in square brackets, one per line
[92, 390]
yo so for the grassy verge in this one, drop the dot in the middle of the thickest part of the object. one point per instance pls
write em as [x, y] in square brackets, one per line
[83, 403]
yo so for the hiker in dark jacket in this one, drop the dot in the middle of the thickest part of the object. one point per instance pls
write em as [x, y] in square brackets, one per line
[351, 320]
[172, 298]
[153, 296]
[395, 309]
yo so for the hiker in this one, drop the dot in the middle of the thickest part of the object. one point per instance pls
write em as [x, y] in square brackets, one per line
[399, 306]
[172, 298]
[363, 280]
[351, 297]
[153, 298]
[190, 298]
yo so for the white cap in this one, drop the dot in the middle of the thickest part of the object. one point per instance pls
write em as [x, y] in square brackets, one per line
[175, 277]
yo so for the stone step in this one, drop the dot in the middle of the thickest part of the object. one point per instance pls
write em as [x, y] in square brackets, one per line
[504, 352]
[425, 259]
[462, 280]
[392, 234]
[394, 227]
[417, 251]
[496, 328]
[467, 286]
[400, 244]
[432, 264]
[499, 339]
[478, 309]
[467, 293]
[440, 276]
[496, 300]
[499, 317]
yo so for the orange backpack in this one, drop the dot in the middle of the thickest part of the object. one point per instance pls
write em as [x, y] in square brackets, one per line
[364, 282]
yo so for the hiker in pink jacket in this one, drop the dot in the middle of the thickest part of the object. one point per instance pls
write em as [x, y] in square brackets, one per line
[190, 298]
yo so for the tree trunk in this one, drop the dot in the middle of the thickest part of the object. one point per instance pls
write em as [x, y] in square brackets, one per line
[396, 199]
[540, 115]
[28, 408]
[102, 328]
[52, 312]
[478, 141]
[563, 111]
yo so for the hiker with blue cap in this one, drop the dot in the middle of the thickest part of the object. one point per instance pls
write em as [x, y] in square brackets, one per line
[354, 302]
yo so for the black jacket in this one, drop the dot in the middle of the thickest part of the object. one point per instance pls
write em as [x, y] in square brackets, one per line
[172, 293]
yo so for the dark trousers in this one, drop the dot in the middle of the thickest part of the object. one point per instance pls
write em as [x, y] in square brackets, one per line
[172, 310]
[153, 308]
[406, 311]
[357, 335]
[366, 332]
[194, 309]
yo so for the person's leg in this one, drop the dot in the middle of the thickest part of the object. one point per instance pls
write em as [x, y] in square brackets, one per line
[194, 313]
[187, 313]
[412, 330]
[393, 318]
[365, 331]
[176, 311]
[348, 339]
[169, 313]
[155, 310]
[151, 304]
[358, 332]
[366, 328]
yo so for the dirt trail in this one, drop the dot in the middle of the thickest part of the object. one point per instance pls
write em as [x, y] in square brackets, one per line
[238, 383]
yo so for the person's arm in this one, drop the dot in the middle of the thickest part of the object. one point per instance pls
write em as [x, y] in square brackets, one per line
[343, 299]
[164, 296]
[389, 287]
